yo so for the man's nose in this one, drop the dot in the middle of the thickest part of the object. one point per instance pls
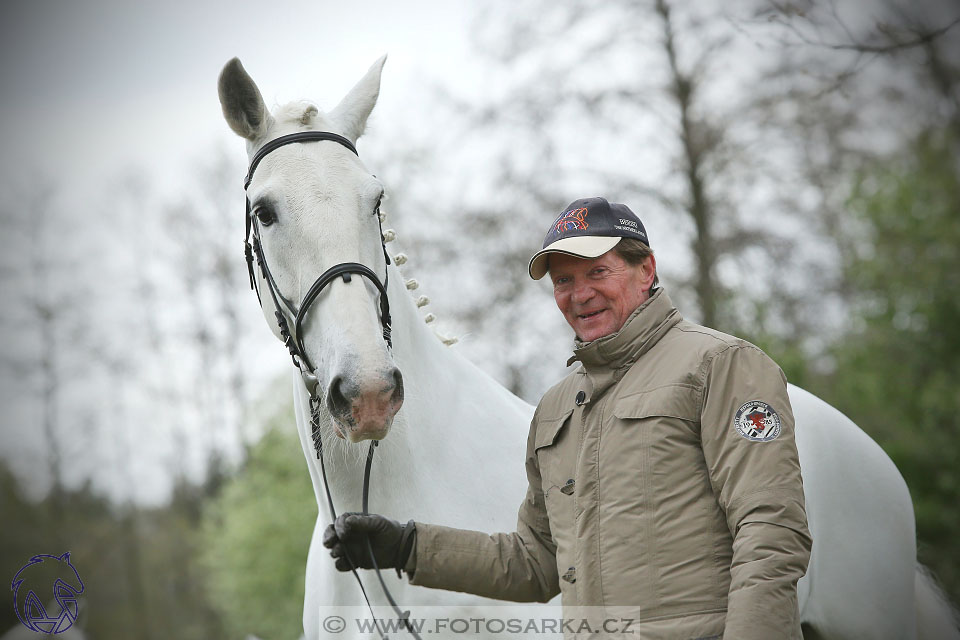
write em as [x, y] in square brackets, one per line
[582, 292]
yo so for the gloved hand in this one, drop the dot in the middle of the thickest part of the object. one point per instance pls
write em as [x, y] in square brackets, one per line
[391, 541]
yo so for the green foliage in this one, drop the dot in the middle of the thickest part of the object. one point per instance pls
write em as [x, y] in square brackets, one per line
[137, 565]
[191, 570]
[255, 539]
[898, 370]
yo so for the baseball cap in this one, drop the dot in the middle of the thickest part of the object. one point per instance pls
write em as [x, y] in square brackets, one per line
[587, 228]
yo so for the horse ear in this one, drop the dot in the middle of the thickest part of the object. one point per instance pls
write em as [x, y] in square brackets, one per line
[352, 112]
[242, 104]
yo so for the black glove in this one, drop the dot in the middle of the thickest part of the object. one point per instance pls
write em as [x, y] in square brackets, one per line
[391, 542]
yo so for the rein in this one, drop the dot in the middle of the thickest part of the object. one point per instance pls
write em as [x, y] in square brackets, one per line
[294, 340]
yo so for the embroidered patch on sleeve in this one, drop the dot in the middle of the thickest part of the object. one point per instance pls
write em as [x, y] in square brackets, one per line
[757, 421]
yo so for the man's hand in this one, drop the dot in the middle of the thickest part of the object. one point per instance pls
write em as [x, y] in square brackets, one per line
[391, 542]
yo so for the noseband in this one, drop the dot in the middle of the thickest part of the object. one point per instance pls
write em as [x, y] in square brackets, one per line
[294, 340]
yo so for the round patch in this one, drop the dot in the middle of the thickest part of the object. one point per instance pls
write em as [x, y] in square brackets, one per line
[757, 421]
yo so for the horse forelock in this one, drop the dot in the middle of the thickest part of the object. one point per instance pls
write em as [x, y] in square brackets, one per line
[303, 114]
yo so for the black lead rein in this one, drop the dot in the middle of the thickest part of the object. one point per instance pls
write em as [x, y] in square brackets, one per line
[294, 340]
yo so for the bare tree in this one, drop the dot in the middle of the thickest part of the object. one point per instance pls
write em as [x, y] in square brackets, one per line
[229, 279]
[48, 312]
[903, 58]
[209, 278]
[48, 338]
[649, 103]
[845, 83]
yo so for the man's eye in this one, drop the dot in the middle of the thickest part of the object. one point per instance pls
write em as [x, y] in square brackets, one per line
[266, 216]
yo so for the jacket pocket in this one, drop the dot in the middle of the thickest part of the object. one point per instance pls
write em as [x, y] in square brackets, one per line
[555, 450]
[548, 429]
[670, 401]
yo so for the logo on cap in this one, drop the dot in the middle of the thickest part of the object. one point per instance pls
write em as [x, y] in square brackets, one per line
[572, 220]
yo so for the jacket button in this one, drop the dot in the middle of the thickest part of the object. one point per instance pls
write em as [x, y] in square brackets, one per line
[581, 396]
[570, 575]
[567, 488]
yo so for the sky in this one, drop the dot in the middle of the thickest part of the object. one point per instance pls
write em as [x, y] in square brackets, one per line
[90, 87]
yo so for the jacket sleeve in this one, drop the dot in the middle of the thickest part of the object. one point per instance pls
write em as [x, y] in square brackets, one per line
[519, 566]
[755, 475]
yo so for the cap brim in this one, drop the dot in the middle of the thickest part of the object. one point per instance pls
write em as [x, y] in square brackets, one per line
[579, 246]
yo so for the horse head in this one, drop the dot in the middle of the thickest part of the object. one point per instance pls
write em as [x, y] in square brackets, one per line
[316, 206]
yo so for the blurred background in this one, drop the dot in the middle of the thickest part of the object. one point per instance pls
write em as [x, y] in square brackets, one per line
[795, 163]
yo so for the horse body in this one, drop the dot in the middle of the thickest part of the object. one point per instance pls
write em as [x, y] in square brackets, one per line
[860, 581]
[453, 454]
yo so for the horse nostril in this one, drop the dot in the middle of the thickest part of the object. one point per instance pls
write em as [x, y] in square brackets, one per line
[337, 402]
[397, 396]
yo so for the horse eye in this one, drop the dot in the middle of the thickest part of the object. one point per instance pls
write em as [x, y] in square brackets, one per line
[265, 215]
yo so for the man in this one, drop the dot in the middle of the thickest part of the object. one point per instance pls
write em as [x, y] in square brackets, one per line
[664, 483]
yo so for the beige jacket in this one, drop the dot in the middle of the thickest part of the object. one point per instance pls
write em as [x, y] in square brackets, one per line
[669, 494]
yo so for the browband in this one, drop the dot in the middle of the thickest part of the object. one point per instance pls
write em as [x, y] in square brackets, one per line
[302, 136]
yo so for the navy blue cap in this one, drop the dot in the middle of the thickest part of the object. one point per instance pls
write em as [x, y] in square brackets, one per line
[587, 228]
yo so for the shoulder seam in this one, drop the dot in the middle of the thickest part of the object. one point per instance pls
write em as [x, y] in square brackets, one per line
[692, 328]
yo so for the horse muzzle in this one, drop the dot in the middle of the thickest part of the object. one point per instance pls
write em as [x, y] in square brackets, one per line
[364, 410]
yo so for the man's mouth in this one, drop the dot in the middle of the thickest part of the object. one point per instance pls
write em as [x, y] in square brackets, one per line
[587, 316]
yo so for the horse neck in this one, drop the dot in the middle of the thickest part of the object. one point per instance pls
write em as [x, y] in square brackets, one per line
[444, 395]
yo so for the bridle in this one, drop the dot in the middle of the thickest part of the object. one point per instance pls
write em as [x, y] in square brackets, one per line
[293, 340]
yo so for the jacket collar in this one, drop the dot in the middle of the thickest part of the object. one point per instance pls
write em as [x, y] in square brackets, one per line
[606, 359]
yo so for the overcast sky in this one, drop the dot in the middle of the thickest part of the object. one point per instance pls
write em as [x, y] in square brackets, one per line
[92, 86]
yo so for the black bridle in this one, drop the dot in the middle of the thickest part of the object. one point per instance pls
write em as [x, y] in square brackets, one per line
[293, 340]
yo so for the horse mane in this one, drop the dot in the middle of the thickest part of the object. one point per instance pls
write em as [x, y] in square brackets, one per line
[400, 259]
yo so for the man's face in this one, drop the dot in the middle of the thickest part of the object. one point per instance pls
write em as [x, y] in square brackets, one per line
[597, 295]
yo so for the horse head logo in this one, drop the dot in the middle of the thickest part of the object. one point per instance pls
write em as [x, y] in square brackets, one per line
[570, 220]
[34, 584]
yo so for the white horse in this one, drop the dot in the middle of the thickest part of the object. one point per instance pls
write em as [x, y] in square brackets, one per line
[453, 454]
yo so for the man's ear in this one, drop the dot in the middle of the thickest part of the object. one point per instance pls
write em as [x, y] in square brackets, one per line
[649, 272]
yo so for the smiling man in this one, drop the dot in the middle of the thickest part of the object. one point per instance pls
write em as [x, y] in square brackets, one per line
[664, 485]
